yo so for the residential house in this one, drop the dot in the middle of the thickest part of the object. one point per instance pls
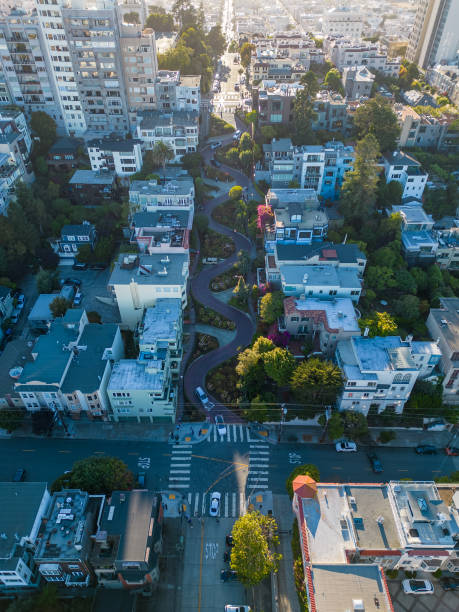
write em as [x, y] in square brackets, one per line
[320, 281]
[89, 186]
[298, 218]
[137, 281]
[65, 537]
[327, 253]
[274, 102]
[380, 372]
[63, 154]
[178, 129]
[358, 82]
[343, 22]
[324, 321]
[406, 170]
[446, 231]
[174, 92]
[420, 130]
[344, 53]
[331, 112]
[151, 196]
[443, 325]
[73, 237]
[40, 315]
[123, 157]
[125, 557]
[16, 142]
[418, 241]
[162, 231]
[445, 79]
[278, 69]
[10, 176]
[145, 388]
[24, 504]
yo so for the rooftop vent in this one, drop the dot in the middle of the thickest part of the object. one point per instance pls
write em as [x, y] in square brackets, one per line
[357, 604]
[163, 272]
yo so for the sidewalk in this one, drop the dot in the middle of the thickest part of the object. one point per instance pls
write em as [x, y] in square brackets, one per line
[189, 433]
[287, 595]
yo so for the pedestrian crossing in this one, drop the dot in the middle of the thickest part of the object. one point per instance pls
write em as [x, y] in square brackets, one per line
[180, 468]
[258, 476]
[235, 432]
[231, 504]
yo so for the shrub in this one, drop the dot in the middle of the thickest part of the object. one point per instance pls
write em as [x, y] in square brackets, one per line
[392, 573]
[410, 574]
[307, 469]
[437, 573]
[387, 436]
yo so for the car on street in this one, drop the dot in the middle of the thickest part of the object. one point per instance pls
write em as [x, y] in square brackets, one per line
[220, 425]
[226, 575]
[21, 298]
[229, 540]
[71, 281]
[375, 462]
[98, 266]
[216, 145]
[15, 316]
[19, 475]
[141, 479]
[237, 135]
[346, 446]
[236, 608]
[453, 451]
[215, 498]
[436, 426]
[79, 266]
[449, 583]
[215, 163]
[236, 87]
[77, 299]
[203, 398]
[425, 449]
[417, 587]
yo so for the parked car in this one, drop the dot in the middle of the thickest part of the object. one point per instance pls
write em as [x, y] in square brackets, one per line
[79, 266]
[436, 426]
[98, 266]
[220, 425]
[203, 398]
[346, 446]
[425, 449]
[141, 479]
[215, 163]
[15, 316]
[77, 299]
[19, 475]
[376, 464]
[452, 450]
[234, 608]
[215, 498]
[236, 86]
[216, 145]
[449, 583]
[226, 575]
[237, 135]
[417, 587]
[21, 298]
[229, 540]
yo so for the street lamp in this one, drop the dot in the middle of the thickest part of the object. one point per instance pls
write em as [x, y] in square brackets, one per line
[283, 415]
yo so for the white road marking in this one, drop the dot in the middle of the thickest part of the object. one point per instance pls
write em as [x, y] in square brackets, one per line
[233, 504]
[179, 471]
[226, 504]
[176, 485]
[196, 503]
[179, 478]
[241, 503]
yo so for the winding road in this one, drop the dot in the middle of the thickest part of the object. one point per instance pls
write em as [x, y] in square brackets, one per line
[196, 372]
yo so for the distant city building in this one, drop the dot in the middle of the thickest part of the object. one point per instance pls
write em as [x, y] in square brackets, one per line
[446, 79]
[343, 22]
[345, 53]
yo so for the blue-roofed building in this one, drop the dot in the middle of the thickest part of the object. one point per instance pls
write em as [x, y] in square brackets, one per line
[380, 372]
[320, 282]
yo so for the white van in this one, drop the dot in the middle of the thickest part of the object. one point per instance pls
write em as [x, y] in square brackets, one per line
[202, 397]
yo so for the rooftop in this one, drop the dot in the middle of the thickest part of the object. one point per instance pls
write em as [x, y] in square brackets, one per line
[150, 269]
[129, 374]
[150, 120]
[113, 144]
[338, 588]
[339, 313]
[413, 240]
[182, 185]
[176, 218]
[382, 353]
[399, 158]
[82, 229]
[326, 251]
[21, 503]
[65, 145]
[413, 214]
[315, 276]
[161, 321]
[90, 177]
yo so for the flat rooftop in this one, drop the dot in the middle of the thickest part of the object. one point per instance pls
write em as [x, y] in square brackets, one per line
[338, 587]
[181, 185]
[129, 374]
[340, 312]
[414, 240]
[314, 276]
[326, 251]
[90, 177]
[161, 322]
[382, 353]
[149, 269]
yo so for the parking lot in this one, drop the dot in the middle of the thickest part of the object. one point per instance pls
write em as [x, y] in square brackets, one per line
[440, 601]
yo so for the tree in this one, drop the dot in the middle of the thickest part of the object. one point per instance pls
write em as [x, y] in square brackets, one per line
[232, 156]
[271, 306]
[43, 421]
[252, 555]
[268, 133]
[131, 17]
[241, 292]
[355, 424]
[11, 418]
[246, 161]
[307, 469]
[160, 22]
[44, 127]
[333, 81]
[375, 116]
[97, 475]
[316, 382]
[379, 324]
[407, 307]
[201, 222]
[358, 193]
[303, 116]
[279, 365]
[216, 41]
[59, 306]
[245, 142]
[185, 13]
[379, 278]
[243, 262]
[235, 193]
[405, 281]
[47, 281]
[161, 154]
[260, 407]
[246, 54]
[335, 427]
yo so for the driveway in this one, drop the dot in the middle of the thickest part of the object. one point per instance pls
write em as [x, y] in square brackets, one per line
[440, 601]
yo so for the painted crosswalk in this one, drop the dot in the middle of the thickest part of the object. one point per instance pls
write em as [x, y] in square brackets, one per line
[231, 504]
[258, 476]
[235, 432]
[180, 467]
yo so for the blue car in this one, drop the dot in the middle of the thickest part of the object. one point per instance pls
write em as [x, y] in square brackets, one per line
[376, 464]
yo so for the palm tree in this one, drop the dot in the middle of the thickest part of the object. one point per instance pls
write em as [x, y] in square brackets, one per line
[161, 154]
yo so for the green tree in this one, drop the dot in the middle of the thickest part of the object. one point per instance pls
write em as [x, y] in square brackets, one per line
[379, 324]
[44, 127]
[11, 418]
[315, 381]
[160, 22]
[185, 13]
[303, 115]
[407, 307]
[268, 133]
[246, 161]
[253, 556]
[279, 365]
[245, 142]
[335, 427]
[232, 156]
[235, 193]
[405, 281]
[216, 41]
[95, 475]
[59, 306]
[47, 281]
[260, 407]
[375, 116]
[333, 81]
[307, 469]
[380, 278]
[131, 17]
[243, 262]
[85, 253]
[355, 424]
[242, 292]
[271, 306]
[246, 54]
[358, 193]
[161, 154]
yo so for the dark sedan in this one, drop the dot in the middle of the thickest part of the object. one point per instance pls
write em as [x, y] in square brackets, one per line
[425, 449]
[376, 464]
[449, 584]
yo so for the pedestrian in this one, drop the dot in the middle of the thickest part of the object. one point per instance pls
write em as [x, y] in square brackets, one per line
[200, 432]
[176, 437]
[165, 506]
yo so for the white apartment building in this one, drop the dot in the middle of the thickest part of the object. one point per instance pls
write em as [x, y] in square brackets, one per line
[344, 52]
[123, 157]
[178, 129]
[417, 130]
[174, 92]
[380, 372]
[149, 196]
[406, 170]
[343, 22]
[138, 281]
[321, 281]
[443, 324]
[446, 79]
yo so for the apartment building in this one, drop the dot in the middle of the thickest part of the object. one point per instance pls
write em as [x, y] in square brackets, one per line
[347, 53]
[26, 504]
[343, 22]
[10, 176]
[175, 193]
[89, 186]
[406, 170]
[274, 102]
[380, 372]
[138, 281]
[325, 321]
[417, 130]
[446, 231]
[331, 112]
[418, 241]
[358, 82]
[174, 92]
[446, 79]
[320, 282]
[178, 129]
[279, 69]
[162, 231]
[350, 532]
[443, 324]
[434, 38]
[123, 157]
[64, 538]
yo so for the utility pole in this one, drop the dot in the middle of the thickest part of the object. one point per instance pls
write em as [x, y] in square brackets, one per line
[283, 414]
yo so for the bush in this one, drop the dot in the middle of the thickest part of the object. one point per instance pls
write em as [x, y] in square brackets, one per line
[307, 469]
[410, 574]
[387, 436]
[392, 573]
[437, 573]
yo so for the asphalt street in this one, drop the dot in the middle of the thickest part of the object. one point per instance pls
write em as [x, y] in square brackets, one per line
[229, 467]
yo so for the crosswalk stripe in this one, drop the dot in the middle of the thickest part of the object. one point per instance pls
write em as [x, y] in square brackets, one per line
[241, 503]
[257, 472]
[181, 446]
[179, 478]
[259, 486]
[259, 452]
[196, 503]
[176, 485]
[226, 504]
[180, 465]
[203, 511]
[258, 479]
[189, 499]
[215, 434]
[241, 432]
[179, 471]
[228, 433]
[259, 446]
[233, 504]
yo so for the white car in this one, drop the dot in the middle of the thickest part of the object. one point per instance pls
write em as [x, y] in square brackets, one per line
[417, 587]
[215, 498]
[345, 446]
[237, 135]
[220, 425]
[21, 298]
[77, 299]
[216, 145]
[233, 608]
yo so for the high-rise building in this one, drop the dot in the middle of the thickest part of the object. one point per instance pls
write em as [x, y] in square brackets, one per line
[435, 35]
